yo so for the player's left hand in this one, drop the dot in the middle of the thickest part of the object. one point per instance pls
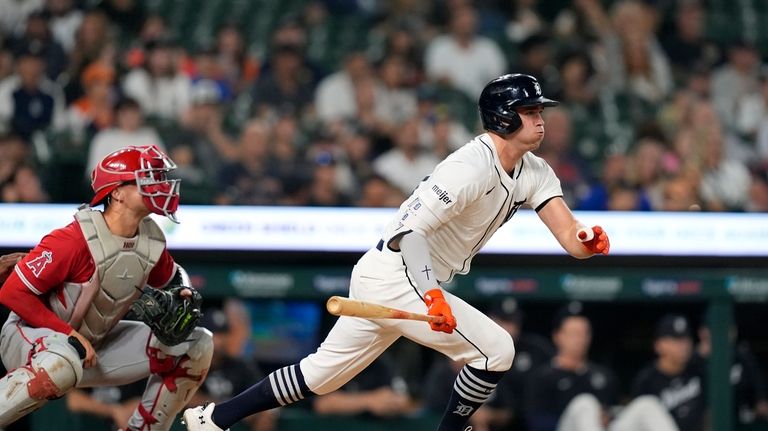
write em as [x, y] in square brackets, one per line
[437, 306]
[597, 242]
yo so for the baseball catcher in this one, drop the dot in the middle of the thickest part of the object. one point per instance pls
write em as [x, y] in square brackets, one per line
[68, 297]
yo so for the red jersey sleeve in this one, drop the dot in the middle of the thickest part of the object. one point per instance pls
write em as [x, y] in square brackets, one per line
[59, 257]
[164, 270]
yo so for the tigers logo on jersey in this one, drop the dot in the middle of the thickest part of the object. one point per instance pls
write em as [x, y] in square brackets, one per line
[37, 265]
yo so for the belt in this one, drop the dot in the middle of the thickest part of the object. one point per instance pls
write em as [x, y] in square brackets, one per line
[380, 245]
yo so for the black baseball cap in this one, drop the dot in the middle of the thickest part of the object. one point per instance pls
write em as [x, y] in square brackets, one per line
[215, 320]
[507, 310]
[572, 309]
[673, 325]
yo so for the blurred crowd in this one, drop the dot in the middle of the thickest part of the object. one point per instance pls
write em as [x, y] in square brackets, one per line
[351, 103]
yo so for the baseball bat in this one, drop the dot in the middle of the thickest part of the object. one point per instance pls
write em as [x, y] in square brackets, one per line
[340, 306]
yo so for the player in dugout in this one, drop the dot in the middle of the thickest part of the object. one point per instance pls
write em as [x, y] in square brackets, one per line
[434, 236]
[68, 297]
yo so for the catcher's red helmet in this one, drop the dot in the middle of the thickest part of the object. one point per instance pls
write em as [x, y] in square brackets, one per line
[147, 166]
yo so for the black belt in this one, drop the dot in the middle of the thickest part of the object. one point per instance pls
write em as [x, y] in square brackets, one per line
[380, 245]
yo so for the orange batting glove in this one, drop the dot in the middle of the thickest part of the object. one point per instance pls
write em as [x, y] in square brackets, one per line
[436, 306]
[597, 242]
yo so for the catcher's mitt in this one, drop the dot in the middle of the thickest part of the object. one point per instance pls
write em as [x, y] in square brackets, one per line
[171, 317]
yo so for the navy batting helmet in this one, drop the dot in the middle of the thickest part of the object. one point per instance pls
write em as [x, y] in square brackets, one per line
[502, 95]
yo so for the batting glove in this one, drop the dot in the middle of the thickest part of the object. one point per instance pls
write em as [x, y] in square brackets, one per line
[598, 243]
[437, 306]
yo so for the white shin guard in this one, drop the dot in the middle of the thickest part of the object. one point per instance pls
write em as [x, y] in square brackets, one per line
[53, 369]
[175, 378]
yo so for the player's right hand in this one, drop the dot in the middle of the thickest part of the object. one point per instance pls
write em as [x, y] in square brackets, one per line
[90, 353]
[597, 242]
[437, 306]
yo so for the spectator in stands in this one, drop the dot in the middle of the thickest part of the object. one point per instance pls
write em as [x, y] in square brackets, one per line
[286, 86]
[229, 374]
[758, 191]
[161, 90]
[14, 152]
[724, 180]
[29, 102]
[377, 192]
[672, 377]
[154, 29]
[371, 115]
[577, 83]
[687, 44]
[64, 20]
[376, 391]
[356, 147]
[203, 131]
[439, 131]
[13, 14]
[7, 64]
[573, 394]
[402, 41]
[637, 64]
[557, 150]
[506, 408]
[750, 402]
[462, 59]
[127, 15]
[681, 193]
[646, 170]
[734, 80]
[95, 110]
[406, 165]
[109, 406]
[39, 34]
[286, 161]
[128, 130]
[204, 66]
[93, 42]
[395, 99]
[237, 65]
[596, 198]
[247, 179]
[324, 187]
[335, 96]
[524, 20]
[24, 186]
[753, 120]
[537, 59]
[625, 196]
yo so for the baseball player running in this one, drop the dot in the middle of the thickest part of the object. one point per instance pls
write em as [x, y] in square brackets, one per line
[434, 236]
[68, 294]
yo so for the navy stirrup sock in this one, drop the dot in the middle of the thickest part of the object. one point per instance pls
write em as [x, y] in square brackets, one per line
[471, 389]
[279, 388]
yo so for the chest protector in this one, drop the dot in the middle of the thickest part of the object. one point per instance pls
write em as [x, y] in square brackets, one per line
[122, 268]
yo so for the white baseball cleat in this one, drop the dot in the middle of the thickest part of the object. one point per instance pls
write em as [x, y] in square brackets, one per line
[199, 418]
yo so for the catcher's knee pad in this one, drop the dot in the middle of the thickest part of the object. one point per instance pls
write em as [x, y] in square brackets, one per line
[175, 378]
[53, 369]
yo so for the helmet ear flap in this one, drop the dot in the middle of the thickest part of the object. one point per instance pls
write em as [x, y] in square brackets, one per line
[502, 125]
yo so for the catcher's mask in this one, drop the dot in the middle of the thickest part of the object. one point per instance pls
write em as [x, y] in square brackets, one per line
[148, 167]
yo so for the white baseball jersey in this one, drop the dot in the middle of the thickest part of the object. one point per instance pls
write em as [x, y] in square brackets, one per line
[466, 199]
